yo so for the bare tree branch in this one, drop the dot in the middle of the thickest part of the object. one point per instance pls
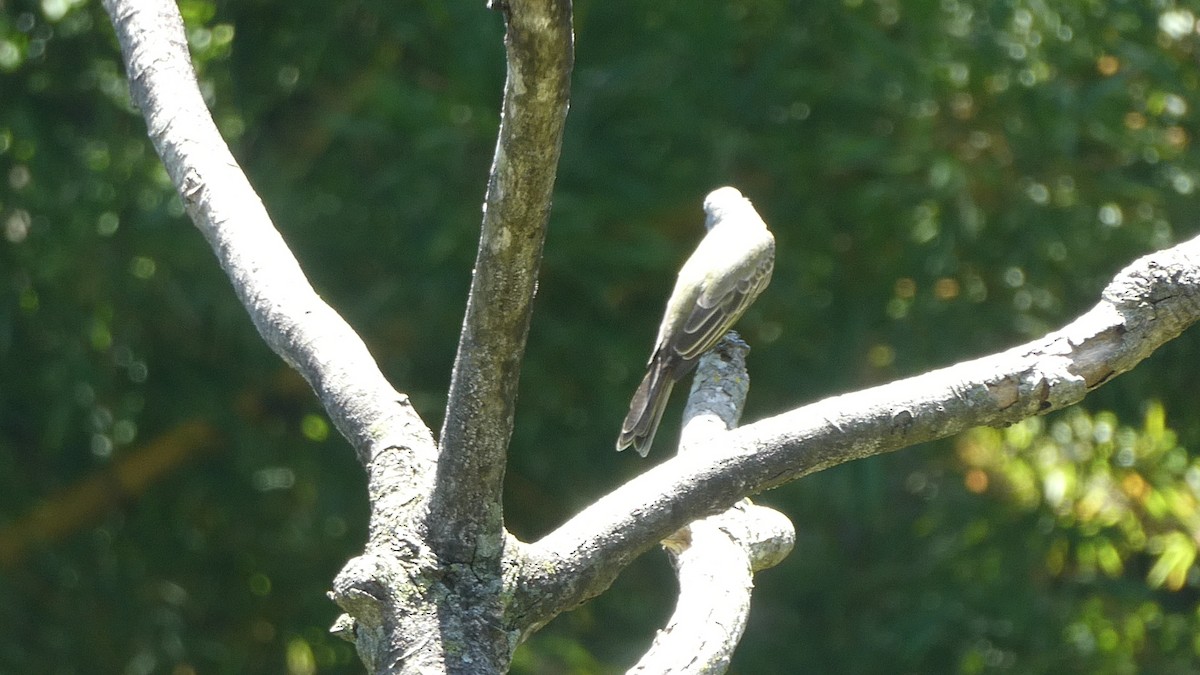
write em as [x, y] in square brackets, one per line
[428, 594]
[539, 45]
[715, 558]
[390, 439]
[292, 319]
[441, 587]
[1147, 304]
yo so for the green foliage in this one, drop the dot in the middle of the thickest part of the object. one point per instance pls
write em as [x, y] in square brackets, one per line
[1114, 503]
[944, 179]
[1125, 491]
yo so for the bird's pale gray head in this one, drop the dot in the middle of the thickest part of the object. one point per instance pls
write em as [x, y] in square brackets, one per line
[722, 202]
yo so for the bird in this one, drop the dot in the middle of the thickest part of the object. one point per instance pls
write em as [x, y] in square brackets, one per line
[729, 269]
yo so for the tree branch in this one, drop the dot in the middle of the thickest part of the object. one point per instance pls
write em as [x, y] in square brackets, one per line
[465, 519]
[1147, 304]
[293, 320]
[715, 558]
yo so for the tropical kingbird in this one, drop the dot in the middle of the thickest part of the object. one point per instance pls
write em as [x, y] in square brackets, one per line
[728, 270]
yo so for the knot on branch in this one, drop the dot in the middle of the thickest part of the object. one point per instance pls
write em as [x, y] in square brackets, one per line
[361, 589]
[764, 534]
[1168, 282]
[1054, 384]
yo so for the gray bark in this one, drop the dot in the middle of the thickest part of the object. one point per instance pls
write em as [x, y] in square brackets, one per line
[465, 515]
[292, 318]
[715, 558]
[1147, 304]
[441, 587]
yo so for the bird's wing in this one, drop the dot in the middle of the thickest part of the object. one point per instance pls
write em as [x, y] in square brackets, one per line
[723, 301]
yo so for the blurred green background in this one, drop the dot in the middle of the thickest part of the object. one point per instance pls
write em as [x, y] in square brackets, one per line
[944, 179]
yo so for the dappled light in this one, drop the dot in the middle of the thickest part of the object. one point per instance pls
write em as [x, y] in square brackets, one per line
[943, 180]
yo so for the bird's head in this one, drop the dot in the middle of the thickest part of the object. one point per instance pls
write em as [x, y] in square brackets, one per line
[722, 202]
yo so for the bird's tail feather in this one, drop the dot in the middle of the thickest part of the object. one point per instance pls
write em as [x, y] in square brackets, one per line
[646, 411]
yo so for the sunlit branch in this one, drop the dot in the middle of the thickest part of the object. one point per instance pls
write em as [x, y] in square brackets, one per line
[539, 46]
[1147, 304]
[715, 558]
[293, 320]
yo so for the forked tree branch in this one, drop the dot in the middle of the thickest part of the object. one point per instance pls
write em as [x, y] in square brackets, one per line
[715, 566]
[519, 588]
[715, 558]
[296, 323]
[465, 517]
[389, 438]
[1147, 304]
